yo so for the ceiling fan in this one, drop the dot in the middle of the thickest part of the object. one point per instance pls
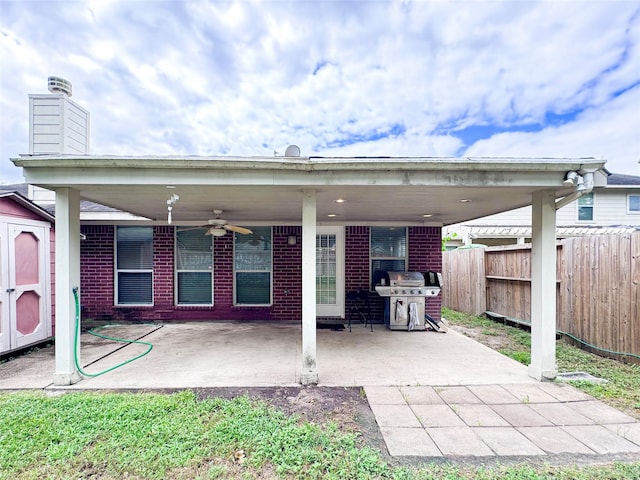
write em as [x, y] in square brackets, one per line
[218, 226]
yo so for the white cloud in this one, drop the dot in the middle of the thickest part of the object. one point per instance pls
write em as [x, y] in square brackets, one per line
[610, 132]
[336, 78]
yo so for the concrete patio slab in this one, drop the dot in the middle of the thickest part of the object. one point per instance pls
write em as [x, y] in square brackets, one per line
[493, 394]
[507, 441]
[409, 442]
[457, 395]
[479, 416]
[630, 431]
[397, 416]
[437, 416]
[563, 392]
[385, 396]
[554, 440]
[599, 412]
[520, 415]
[560, 414]
[529, 393]
[459, 442]
[420, 395]
[601, 440]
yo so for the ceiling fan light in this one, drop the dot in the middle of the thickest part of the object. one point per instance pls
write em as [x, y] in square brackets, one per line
[216, 231]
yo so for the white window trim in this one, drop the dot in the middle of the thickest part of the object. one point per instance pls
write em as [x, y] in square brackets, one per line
[116, 271]
[629, 211]
[593, 210]
[176, 271]
[337, 309]
[233, 260]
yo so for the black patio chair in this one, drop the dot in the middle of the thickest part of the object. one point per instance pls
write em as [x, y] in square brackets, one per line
[358, 306]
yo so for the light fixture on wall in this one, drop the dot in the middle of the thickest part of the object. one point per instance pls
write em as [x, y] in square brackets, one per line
[292, 240]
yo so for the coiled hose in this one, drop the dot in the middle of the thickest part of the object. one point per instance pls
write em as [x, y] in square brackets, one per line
[95, 333]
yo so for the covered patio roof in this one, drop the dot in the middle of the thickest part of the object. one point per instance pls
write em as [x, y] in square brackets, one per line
[267, 190]
[303, 191]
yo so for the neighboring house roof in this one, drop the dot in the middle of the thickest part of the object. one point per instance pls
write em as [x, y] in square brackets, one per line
[620, 180]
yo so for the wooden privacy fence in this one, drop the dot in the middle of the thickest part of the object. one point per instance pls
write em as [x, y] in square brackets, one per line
[598, 287]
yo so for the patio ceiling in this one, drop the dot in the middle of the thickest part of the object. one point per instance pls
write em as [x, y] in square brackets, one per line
[268, 190]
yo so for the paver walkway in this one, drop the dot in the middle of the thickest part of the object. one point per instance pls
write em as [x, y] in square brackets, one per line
[500, 420]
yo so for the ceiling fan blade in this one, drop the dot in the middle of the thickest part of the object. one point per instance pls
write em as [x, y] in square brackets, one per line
[241, 230]
[188, 229]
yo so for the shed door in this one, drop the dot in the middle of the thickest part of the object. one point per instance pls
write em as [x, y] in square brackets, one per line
[330, 272]
[27, 261]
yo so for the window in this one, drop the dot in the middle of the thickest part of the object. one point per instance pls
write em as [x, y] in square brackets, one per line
[585, 208]
[388, 250]
[194, 267]
[134, 265]
[633, 203]
[252, 267]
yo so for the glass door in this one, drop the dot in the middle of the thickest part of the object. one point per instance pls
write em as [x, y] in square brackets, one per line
[330, 272]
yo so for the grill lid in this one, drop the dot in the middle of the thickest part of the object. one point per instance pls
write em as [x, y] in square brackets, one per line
[404, 279]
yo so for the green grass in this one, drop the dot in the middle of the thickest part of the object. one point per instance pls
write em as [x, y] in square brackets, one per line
[622, 389]
[153, 436]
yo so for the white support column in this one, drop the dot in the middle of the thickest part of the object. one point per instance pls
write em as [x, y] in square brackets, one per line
[309, 374]
[543, 287]
[67, 277]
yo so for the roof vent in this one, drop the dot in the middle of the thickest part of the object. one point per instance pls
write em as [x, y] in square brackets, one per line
[59, 85]
[292, 151]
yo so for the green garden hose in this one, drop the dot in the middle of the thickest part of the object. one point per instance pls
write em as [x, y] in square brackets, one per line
[95, 333]
[612, 352]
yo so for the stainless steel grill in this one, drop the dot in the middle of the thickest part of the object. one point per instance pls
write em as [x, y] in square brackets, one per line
[405, 297]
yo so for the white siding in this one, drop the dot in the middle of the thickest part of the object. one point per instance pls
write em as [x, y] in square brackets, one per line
[57, 125]
[609, 209]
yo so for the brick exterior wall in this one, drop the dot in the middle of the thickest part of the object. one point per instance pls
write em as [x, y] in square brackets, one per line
[97, 275]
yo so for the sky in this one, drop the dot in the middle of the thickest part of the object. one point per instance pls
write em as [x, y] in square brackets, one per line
[440, 78]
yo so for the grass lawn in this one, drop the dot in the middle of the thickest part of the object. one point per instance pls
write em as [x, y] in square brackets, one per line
[180, 436]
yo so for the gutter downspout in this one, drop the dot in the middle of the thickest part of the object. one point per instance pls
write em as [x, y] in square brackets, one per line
[581, 189]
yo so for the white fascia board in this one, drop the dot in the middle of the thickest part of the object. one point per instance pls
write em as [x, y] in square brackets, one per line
[52, 174]
[311, 163]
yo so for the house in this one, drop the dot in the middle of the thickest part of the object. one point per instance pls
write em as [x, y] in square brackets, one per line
[612, 210]
[288, 235]
[27, 246]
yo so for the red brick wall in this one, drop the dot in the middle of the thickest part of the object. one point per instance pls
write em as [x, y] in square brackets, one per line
[425, 254]
[97, 273]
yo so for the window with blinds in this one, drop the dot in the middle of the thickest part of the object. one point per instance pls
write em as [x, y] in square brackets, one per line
[252, 262]
[194, 267]
[134, 265]
[388, 250]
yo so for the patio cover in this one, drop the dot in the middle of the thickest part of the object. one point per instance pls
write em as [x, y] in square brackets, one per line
[403, 191]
